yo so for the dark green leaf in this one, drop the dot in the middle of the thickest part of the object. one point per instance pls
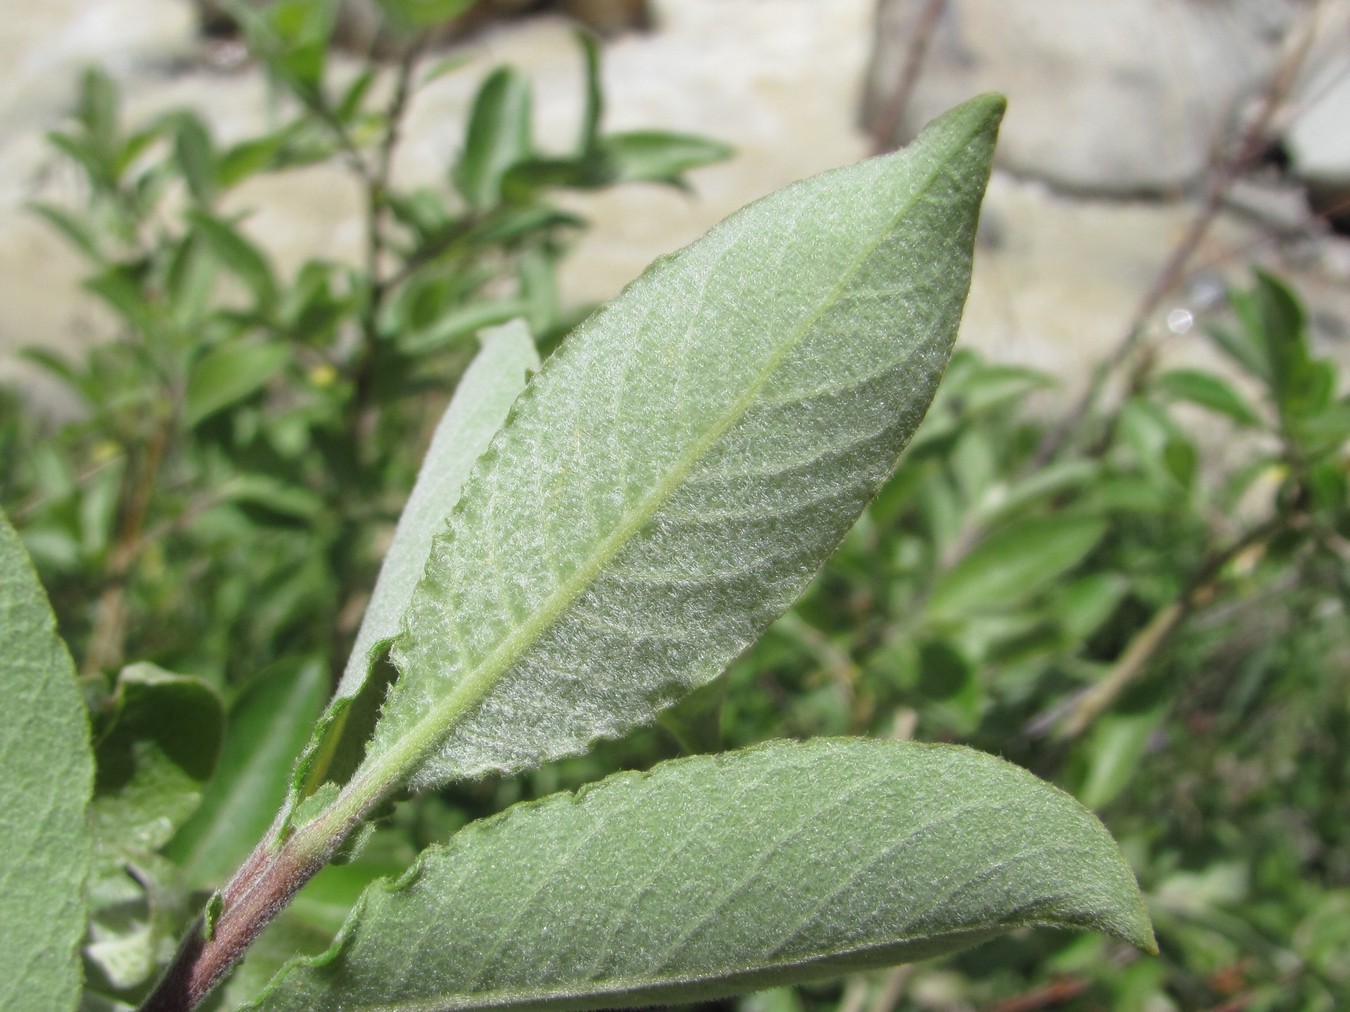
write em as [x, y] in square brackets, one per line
[1208, 391]
[1012, 564]
[649, 156]
[695, 722]
[425, 13]
[1115, 750]
[498, 137]
[594, 109]
[237, 255]
[349, 107]
[460, 324]
[97, 113]
[158, 749]
[120, 287]
[196, 158]
[248, 158]
[230, 373]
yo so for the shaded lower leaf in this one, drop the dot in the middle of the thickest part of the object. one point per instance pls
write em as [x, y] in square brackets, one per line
[48, 774]
[268, 725]
[711, 875]
[154, 756]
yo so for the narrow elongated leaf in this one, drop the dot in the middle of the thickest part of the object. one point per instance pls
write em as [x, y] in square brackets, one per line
[676, 474]
[782, 863]
[498, 136]
[652, 156]
[229, 374]
[1013, 564]
[477, 411]
[237, 254]
[1209, 391]
[48, 768]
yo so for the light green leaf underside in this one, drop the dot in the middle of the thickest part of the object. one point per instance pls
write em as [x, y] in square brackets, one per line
[716, 874]
[675, 475]
[484, 396]
[48, 777]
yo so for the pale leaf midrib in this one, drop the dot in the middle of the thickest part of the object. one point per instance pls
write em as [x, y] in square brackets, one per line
[417, 746]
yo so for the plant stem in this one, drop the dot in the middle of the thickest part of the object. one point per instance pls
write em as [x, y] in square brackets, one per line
[256, 893]
[109, 633]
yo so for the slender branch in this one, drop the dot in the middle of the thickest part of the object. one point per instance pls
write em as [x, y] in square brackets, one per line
[1221, 180]
[376, 179]
[1056, 993]
[888, 119]
[1145, 645]
[109, 633]
[256, 893]
[377, 191]
[892, 988]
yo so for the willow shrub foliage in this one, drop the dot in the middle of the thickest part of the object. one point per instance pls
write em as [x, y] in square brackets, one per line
[581, 551]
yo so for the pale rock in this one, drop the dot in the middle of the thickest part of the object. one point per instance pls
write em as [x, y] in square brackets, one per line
[1120, 98]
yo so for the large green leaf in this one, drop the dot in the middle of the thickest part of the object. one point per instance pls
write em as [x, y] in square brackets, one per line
[675, 475]
[48, 775]
[711, 875]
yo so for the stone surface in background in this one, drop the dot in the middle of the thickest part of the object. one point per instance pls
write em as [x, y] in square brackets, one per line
[1118, 98]
[1057, 276]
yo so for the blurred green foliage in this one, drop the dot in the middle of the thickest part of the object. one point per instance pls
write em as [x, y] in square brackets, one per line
[1154, 617]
